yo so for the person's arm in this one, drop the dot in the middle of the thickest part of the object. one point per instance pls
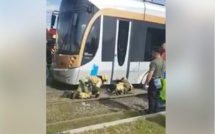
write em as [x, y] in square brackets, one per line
[163, 54]
[150, 73]
[164, 68]
[149, 77]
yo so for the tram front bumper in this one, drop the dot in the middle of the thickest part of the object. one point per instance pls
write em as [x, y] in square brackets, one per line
[67, 76]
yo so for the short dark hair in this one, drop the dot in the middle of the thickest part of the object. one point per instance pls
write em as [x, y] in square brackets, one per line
[157, 49]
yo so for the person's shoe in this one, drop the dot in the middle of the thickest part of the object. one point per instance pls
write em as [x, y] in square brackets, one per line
[97, 95]
[147, 111]
[66, 94]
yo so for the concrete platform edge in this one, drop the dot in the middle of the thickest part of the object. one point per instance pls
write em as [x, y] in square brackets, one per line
[108, 124]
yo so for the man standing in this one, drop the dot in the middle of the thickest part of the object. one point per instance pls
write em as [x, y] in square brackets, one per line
[153, 79]
[163, 53]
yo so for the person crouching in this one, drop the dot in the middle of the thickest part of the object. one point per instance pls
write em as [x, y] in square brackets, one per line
[89, 87]
[122, 86]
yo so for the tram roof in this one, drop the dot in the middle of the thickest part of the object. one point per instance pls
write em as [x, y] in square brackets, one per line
[136, 6]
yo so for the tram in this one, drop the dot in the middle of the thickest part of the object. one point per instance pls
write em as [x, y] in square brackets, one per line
[113, 37]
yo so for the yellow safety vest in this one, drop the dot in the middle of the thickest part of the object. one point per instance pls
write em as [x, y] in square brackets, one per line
[163, 90]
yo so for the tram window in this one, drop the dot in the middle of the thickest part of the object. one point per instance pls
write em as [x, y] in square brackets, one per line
[137, 42]
[92, 42]
[122, 41]
[155, 37]
[162, 2]
[109, 36]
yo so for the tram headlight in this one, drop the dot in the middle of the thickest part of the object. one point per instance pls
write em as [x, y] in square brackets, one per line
[72, 59]
[71, 62]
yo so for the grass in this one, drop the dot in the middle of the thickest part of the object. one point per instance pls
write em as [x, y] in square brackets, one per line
[159, 119]
[154, 125]
[151, 125]
[90, 121]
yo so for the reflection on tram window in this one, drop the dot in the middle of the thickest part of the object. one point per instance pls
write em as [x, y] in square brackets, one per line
[122, 41]
[92, 43]
[73, 18]
[162, 2]
[137, 41]
[109, 37]
[155, 37]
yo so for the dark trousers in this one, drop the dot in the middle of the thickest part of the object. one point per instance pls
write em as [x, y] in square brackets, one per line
[153, 98]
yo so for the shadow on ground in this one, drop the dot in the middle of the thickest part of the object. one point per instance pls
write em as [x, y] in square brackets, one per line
[50, 82]
[114, 105]
[159, 119]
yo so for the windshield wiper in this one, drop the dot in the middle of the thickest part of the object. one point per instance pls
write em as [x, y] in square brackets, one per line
[64, 42]
[66, 37]
[73, 24]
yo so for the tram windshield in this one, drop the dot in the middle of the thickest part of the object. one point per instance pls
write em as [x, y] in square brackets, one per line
[73, 17]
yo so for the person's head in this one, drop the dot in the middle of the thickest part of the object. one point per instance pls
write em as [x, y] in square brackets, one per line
[156, 52]
[103, 77]
[123, 78]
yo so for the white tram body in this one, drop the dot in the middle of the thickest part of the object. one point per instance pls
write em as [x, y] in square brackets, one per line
[115, 39]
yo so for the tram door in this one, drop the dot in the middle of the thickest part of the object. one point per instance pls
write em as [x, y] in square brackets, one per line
[122, 43]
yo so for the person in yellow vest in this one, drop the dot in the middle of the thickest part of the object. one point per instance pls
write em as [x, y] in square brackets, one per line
[122, 86]
[163, 91]
[163, 80]
[89, 87]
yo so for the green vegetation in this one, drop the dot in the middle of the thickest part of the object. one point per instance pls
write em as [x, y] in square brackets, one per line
[87, 121]
[155, 125]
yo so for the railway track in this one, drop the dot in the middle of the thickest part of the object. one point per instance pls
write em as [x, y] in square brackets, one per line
[95, 99]
[67, 114]
[64, 113]
[54, 92]
[68, 111]
[74, 115]
[95, 119]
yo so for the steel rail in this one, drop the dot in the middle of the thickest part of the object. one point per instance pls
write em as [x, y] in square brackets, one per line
[93, 99]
